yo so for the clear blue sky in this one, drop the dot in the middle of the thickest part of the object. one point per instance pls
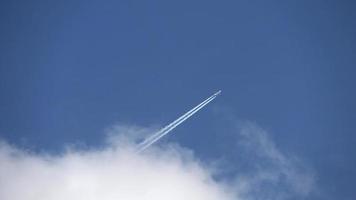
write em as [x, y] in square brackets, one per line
[70, 69]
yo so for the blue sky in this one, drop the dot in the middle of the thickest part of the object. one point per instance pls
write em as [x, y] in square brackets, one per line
[69, 70]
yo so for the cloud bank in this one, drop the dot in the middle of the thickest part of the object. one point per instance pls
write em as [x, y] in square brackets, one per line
[166, 172]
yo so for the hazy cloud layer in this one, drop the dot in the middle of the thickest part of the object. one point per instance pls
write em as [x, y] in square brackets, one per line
[270, 174]
[168, 172]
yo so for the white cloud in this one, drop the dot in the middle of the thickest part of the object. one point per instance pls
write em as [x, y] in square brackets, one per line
[272, 174]
[116, 172]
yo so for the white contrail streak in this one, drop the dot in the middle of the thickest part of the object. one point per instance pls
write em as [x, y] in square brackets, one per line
[168, 129]
[147, 140]
[171, 126]
[155, 137]
[177, 121]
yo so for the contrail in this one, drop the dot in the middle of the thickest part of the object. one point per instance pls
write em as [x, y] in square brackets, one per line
[147, 140]
[150, 140]
[158, 135]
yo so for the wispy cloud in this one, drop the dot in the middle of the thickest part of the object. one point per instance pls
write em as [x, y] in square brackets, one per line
[271, 174]
[165, 172]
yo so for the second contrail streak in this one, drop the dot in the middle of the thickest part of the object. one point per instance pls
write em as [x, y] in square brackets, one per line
[158, 135]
